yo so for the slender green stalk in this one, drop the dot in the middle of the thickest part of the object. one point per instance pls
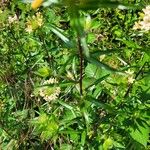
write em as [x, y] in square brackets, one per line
[81, 64]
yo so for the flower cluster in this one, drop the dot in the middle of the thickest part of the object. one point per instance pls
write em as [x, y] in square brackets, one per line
[130, 76]
[49, 91]
[12, 19]
[49, 94]
[145, 23]
[34, 22]
[50, 81]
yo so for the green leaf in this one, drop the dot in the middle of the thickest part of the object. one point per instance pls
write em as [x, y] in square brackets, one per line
[91, 38]
[141, 134]
[95, 4]
[74, 137]
[11, 145]
[98, 81]
[21, 114]
[101, 105]
[83, 138]
[130, 43]
[97, 53]
[65, 105]
[43, 72]
[66, 147]
[85, 47]
[92, 71]
[50, 130]
[59, 33]
[108, 143]
[118, 145]
[68, 116]
[102, 65]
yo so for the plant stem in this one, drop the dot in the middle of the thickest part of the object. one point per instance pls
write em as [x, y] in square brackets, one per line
[81, 64]
[41, 37]
[17, 42]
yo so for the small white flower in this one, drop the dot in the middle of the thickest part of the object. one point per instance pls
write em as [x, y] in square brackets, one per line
[29, 29]
[50, 81]
[147, 10]
[50, 96]
[130, 76]
[146, 19]
[122, 7]
[70, 75]
[145, 23]
[131, 79]
[12, 19]
[49, 93]
[130, 72]
[102, 57]
[34, 22]
[136, 26]
[41, 92]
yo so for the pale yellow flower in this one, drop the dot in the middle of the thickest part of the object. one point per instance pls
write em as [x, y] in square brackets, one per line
[34, 22]
[50, 81]
[130, 72]
[29, 29]
[130, 76]
[136, 26]
[39, 19]
[145, 23]
[102, 57]
[131, 79]
[50, 93]
[147, 10]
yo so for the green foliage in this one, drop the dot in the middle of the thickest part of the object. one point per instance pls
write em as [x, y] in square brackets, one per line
[74, 75]
[141, 135]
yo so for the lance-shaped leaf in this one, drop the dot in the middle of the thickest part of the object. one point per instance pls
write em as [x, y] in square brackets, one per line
[59, 33]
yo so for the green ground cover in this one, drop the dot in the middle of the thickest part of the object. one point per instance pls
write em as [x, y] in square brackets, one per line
[74, 75]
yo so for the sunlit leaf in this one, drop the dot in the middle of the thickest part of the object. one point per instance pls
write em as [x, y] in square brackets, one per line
[141, 134]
